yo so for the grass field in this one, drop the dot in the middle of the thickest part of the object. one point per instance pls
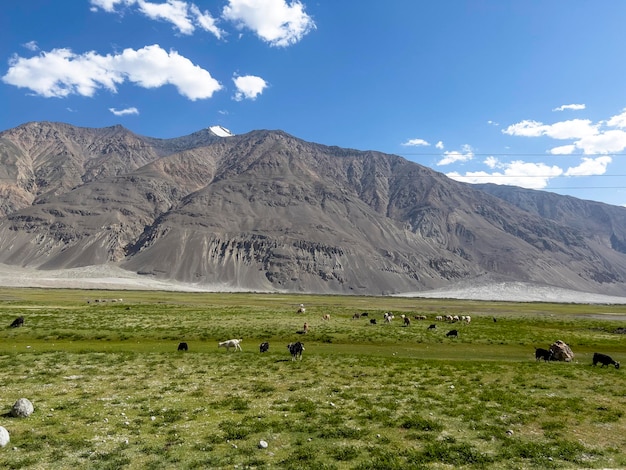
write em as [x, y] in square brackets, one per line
[111, 391]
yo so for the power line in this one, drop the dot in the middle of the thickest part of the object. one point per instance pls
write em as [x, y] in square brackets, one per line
[440, 154]
[540, 176]
[584, 187]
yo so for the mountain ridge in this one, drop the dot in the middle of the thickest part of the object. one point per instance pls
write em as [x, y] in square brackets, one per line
[266, 210]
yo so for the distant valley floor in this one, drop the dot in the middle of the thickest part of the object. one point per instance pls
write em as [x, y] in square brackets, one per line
[111, 277]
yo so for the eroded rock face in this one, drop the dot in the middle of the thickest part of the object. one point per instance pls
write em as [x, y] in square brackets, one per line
[561, 351]
[22, 408]
[268, 211]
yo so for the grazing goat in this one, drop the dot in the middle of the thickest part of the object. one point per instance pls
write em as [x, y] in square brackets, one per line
[356, 316]
[231, 343]
[183, 347]
[326, 317]
[407, 322]
[372, 321]
[364, 314]
[452, 333]
[604, 360]
[306, 327]
[264, 347]
[19, 321]
[296, 350]
[301, 309]
[544, 354]
[432, 327]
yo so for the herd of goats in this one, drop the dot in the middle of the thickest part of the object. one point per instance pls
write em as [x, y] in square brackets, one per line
[297, 347]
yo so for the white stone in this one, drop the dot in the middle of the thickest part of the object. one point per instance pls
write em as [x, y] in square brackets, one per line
[263, 445]
[22, 408]
[4, 437]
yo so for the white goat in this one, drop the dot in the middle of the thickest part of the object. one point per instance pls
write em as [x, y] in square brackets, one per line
[231, 343]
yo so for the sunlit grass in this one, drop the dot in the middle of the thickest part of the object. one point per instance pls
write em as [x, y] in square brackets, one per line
[111, 390]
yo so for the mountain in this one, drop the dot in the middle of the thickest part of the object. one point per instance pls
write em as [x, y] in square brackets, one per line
[268, 211]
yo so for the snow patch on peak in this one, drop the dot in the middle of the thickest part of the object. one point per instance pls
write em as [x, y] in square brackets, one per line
[221, 131]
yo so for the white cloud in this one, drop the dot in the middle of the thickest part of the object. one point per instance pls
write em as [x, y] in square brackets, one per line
[439, 145]
[493, 123]
[573, 107]
[590, 167]
[572, 129]
[206, 21]
[31, 46]
[61, 73]
[455, 156]
[277, 22]
[108, 5]
[590, 138]
[274, 21]
[184, 16]
[416, 143]
[492, 162]
[525, 128]
[516, 173]
[563, 150]
[618, 121]
[607, 142]
[174, 11]
[248, 87]
[124, 112]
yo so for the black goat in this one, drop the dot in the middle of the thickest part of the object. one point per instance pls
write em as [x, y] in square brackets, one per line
[544, 354]
[604, 360]
[296, 350]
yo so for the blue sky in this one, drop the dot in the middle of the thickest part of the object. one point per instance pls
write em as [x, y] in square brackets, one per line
[526, 92]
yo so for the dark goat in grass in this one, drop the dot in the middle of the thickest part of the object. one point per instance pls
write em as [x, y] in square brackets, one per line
[604, 360]
[296, 350]
[544, 354]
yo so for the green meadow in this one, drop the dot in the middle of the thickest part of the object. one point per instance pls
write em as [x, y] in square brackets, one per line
[111, 391]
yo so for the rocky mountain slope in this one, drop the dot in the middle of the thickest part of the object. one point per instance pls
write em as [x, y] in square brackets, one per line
[268, 211]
